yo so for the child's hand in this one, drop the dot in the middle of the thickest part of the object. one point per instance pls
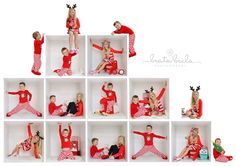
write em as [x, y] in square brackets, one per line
[165, 83]
[91, 42]
[112, 33]
[122, 50]
[166, 138]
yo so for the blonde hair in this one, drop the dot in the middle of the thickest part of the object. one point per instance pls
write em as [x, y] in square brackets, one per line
[104, 49]
[68, 17]
[123, 139]
[152, 101]
[79, 94]
[193, 101]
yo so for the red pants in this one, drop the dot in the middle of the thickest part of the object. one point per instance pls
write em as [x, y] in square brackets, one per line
[131, 43]
[108, 106]
[141, 112]
[37, 62]
[67, 154]
[223, 158]
[149, 148]
[22, 106]
[63, 71]
[97, 155]
[57, 112]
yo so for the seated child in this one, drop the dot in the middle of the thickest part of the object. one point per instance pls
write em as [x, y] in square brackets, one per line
[55, 110]
[76, 108]
[219, 152]
[94, 151]
[67, 60]
[136, 109]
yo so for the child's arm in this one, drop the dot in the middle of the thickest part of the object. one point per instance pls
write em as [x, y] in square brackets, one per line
[161, 93]
[120, 153]
[29, 130]
[13, 93]
[77, 24]
[139, 133]
[70, 130]
[100, 150]
[67, 24]
[103, 88]
[59, 106]
[30, 95]
[73, 54]
[199, 113]
[117, 51]
[115, 96]
[59, 130]
[97, 46]
[158, 136]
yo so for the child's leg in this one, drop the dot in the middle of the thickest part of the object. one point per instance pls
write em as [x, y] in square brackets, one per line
[69, 72]
[29, 108]
[154, 150]
[69, 155]
[37, 62]
[15, 151]
[110, 107]
[184, 152]
[60, 72]
[58, 112]
[97, 155]
[141, 112]
[15, 110]
[141, 152]
[62, 156]
[222, 158]
[102, 66]
[131, 44]
[103, 102]
[76, 38]
[70, 39]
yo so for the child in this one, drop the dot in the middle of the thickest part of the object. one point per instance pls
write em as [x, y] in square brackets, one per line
[24, 101]
[196, 105]
[76, 108]
[66, 144]
[109, 100]
[31, 142]
[73, 25]
[107, 57]
[194, 144]
[53, 109]
[66, 66]
[121, 29]
[148, 143]
[136, 109]
[38, 41]
[94, 151]
[219, 152]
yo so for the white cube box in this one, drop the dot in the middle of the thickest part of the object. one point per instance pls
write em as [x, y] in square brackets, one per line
[137, 86]
[107, 133]
[34, 85]
[53, 142]
[65, 90]
[137, 141]
[16, 132]
[94, 56]
[180, 131]
[95, 93]
[54, 57]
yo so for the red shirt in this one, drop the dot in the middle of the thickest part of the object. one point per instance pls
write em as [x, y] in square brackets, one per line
[80, 108]
[70, 23]
[198, 141]
[216, 154]
[67, 60]
[52, 107]
[111, 95]
[121, 153]
[38, 45]
[124, 29]
[94, 150]
[199, 113]
[134, 108]
[148, 137]
[23, 95]
[65, 141]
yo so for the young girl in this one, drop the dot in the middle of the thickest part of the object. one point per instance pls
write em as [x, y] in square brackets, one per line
[34, 142]
[76, 108]
[193, 144]
[219, 152]
[195, 112]
[73, 25]
[107, 55]
[116, 151]
[66, 144]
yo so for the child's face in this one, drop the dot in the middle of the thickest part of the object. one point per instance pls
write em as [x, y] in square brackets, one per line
[35, 139]
[22, 87]
[38, 36]
[135, 100]
[118, 25]
[72, 12]
[65, 133]
[152, 95]
[95, 142]
[195, 95]
[65, 52]
[109, 87]
[149, 129]
[195, 132]
[53, 99]
[79, 97]
[106, 45]
[218, 142]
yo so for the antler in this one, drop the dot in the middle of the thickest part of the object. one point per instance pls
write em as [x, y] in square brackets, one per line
[74, 6]
[191, 88]
[68, 6]
[151, 89]
[147, 91]
[198, 88]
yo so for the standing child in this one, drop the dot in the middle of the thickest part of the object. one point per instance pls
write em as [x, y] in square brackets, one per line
[67, 60]
[53, 109]
[122, 29]
[148, 143]
[219, 152]
[38, 41]
[24, 101]
[66, 144]
[73, 25]
[34, 142]
[94, 151]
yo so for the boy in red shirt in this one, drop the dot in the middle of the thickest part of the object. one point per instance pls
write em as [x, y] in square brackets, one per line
[148, 143]
[38, 41]
[122, 29]
[24, 98]
[219, 153]
[53, 109]
[66, 144]
[136, 110]
[67, 59]
[94, 151]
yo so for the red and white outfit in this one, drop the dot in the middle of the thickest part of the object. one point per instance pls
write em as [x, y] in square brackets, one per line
[95, 152]
[198, 110]
[121, 153]
[108, 101]
[148, 145]
[37, 54]
[66, 145]
[66, 66]
[24, 98]
[221, 157]
[197, 146]
[127, 30]
[137, 110]
[70, 23]
[55, 110]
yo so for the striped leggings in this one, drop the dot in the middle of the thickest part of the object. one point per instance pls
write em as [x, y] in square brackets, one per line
[67, 154]
[149, 148]
[25, 106]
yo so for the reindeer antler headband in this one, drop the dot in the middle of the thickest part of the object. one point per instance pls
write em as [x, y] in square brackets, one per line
[69, 7]
[151, 90]
[38, 134]
[195, 90]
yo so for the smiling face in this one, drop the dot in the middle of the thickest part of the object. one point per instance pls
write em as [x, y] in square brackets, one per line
[38, 36]
[22, 87]
[65, 133]
[135, 100]
[95, 142]
[117, 26]
[195, 95]
[65, 52]
[218, 142]
[35, 139]
[53, 99]
[106, 45]
[148, 129]
[110, 87]
[72, 13]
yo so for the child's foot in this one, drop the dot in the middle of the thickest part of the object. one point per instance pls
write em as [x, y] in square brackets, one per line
[35, 72]
[164, 157]
[230, 158]
[132, 54]
[104, 156]
[39, 114]
[8, 115]
[134, 158]
[177, 158]
[56, 71]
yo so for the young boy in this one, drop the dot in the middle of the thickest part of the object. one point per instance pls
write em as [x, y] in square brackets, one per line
[66, 144]
[219, 152]
[38, 41]
[94, 151]
[109, 100]
[66, 66]
[53, 109]
[24, 101]
[136, 110]
[122, 29]
[148, 143]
